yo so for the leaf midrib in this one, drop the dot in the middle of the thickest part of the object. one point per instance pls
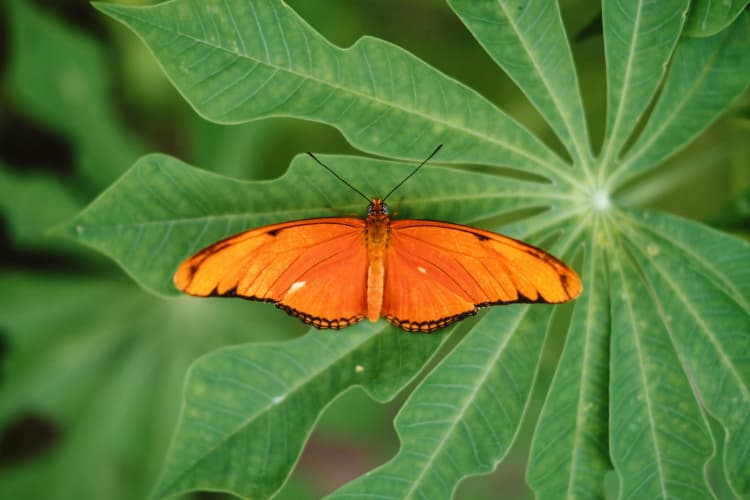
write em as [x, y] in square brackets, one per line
[643, 378]
[302, 211]
[636, 154]
[586, 366]
[559, 107]
[613, 142]
[556, 170]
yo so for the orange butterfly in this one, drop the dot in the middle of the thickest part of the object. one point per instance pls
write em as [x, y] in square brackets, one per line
[420, 275]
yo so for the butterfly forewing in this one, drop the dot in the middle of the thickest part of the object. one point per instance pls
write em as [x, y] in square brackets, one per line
[314, 269]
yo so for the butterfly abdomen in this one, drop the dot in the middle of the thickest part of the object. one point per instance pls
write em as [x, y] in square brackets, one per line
[377, 237]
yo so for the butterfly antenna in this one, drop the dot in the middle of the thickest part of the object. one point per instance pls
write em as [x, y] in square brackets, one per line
[413, 172]
[339, 177]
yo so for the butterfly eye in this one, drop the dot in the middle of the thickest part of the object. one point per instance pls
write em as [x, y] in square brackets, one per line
[377, 207]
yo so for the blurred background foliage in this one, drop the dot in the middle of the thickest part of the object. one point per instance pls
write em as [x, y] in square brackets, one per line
[91, 367]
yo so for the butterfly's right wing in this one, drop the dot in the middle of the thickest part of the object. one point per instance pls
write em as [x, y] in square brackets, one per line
[314, 269]
[438, 273]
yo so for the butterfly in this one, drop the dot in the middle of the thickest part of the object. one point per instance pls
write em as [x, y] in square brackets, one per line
[420, 275]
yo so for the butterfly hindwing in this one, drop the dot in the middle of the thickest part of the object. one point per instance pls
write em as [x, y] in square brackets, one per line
[314, 269]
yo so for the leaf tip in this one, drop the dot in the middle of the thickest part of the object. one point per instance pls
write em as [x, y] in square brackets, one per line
[101, 6]
[71, 229]
[115, 11]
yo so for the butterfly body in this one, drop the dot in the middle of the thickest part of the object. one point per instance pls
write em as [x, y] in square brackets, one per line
[377, 235]
[420, 275]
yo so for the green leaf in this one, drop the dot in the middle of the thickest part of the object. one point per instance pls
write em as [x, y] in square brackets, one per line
[463, 417]
[249, 409]
[534, 51]
[706, 74]
[701, 287]
[707, 18]
[639, 37]
[215, 52]
[569, 452]
[660, 445]
[162, 211]
[58, 76]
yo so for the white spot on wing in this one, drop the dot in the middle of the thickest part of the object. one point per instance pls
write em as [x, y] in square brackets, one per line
[278, 399]
[296, 286]
[421, 269]
[359, 368]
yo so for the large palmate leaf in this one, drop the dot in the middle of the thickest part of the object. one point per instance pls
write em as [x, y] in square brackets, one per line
[657, 340]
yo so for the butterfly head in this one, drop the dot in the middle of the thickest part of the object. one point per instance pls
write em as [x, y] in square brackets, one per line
[377, 207]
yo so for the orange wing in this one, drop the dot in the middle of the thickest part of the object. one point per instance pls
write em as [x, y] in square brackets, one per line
[438, 273]
[314, 269]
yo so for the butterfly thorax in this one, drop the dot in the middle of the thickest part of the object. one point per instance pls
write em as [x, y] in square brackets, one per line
[377, 224]
[377, 236]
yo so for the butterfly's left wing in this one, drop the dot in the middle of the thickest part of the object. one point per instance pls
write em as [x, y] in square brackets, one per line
[314, 269]
[438, 273]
